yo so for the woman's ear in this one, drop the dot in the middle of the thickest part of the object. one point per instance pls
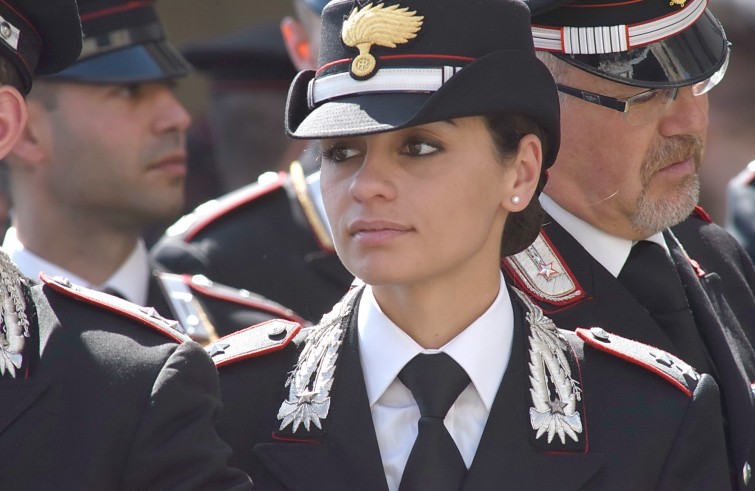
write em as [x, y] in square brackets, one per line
[13, 116]
[526, 165]
[297, 44]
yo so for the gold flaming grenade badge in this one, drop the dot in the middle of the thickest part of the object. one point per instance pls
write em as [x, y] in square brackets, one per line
[381, 25]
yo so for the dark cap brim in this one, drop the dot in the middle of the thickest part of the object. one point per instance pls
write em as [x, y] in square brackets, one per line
[504, 81]
[151, 62]
[687, 58]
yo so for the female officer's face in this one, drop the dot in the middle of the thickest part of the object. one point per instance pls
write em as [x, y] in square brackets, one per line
[418, 205]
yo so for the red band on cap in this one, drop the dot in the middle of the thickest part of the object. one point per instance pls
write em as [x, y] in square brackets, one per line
[617, 4]
[134, 4]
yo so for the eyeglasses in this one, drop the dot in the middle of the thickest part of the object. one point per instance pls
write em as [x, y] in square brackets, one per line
[647, 105]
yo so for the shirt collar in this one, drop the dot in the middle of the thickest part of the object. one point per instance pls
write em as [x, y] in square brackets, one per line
[482, 349]
[610, 251]
[131, 279]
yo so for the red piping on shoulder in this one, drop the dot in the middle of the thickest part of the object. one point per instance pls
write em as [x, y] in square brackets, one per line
[236, 202]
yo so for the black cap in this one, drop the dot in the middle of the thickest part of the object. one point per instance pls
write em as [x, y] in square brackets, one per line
[645, 43]
[421, 61]
[124, 42]
[39, 37]
[251, 57]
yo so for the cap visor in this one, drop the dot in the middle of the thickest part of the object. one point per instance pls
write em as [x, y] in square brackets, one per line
[140, 63]
[687, 58]
[361, 115]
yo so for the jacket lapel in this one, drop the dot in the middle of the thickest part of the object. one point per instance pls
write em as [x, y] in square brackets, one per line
[345, 456]
[703, 293]
[605, 303]
[506, 458]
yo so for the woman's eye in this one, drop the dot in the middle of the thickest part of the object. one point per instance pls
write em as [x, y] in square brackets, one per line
[419, 148]
[339, 153]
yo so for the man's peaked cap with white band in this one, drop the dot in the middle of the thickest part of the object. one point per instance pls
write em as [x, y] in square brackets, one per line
[645, 43]
[401, 63]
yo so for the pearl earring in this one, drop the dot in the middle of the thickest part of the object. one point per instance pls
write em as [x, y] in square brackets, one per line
[516, 200]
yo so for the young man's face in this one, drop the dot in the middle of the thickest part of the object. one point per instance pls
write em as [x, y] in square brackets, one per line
[115, 150]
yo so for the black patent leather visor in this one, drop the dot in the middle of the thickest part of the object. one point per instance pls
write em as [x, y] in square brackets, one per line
[692, 56]
[141, 63]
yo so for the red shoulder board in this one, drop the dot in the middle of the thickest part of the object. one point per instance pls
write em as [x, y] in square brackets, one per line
[147, 316]
[702, 214]
[192, 224]
[258, 340]
[665, 365]
[541, 272]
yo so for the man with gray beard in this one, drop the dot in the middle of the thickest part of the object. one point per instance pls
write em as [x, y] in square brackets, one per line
[624, 244]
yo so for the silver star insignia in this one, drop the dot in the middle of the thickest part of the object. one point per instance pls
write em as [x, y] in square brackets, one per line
[547, 271]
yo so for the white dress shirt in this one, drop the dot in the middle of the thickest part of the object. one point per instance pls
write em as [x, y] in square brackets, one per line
[610, 251]
[483, 349]
[131, 279]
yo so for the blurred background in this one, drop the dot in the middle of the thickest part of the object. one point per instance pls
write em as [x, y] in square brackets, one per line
[731, 142]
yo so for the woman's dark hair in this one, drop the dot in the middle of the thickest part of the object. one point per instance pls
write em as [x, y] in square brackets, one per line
[507, 130]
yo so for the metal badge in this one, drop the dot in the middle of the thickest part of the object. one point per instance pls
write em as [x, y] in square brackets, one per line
[381, 25]
[552, 413]
[309, 384]
[14, 324]
[677, 2]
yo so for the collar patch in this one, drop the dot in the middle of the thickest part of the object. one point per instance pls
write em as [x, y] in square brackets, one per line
[539, 271]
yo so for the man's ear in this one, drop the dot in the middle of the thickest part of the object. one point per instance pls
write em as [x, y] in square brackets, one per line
[29, 148]
[527, 164]
[13, 117]
[297, 44]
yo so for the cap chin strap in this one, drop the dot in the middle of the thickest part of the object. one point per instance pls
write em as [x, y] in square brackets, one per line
[618, 38]
[417, 80]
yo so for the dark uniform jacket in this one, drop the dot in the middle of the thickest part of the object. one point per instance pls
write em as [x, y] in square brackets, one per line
[109, 397]
[267, 238]
[719, 281]
[642, 420]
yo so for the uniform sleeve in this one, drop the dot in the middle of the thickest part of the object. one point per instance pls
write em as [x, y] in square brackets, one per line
[698, 459]
[177, 446]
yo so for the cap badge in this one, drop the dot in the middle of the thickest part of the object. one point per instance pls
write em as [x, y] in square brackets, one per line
[677, 2]
[9, 33]
[381, 25]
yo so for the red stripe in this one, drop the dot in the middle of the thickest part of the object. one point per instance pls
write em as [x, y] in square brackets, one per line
[174, 335]
[399, 57]
[587, 338]
[134, 4]
[226, 207]
[255, 353]
[280, 312]
[616, 4]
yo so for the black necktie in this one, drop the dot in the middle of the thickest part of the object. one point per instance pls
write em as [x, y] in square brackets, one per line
[435, 462]
[651, 278]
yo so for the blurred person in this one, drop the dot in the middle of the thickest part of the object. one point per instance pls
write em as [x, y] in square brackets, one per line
[623, 245]
[95, 393]
[249, 72]
[740, 208]
[433, 375]
[102, 159]
[270, 237]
